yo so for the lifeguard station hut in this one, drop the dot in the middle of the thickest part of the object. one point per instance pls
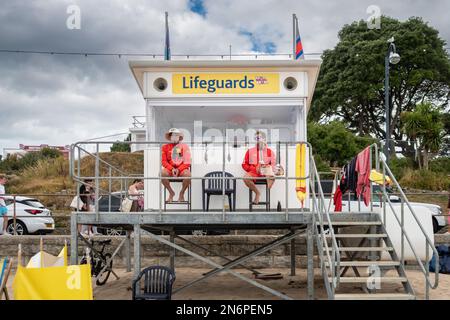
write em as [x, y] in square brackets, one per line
[218, 105]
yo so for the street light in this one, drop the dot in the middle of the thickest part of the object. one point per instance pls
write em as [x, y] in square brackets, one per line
[392, 57]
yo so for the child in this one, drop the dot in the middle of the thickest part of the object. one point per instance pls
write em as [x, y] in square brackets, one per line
[3, 208]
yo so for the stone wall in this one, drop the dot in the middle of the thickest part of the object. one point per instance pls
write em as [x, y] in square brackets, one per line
[154, 252]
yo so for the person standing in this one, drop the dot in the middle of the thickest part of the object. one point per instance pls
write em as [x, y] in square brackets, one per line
[85, 197]
[92, 230]
[3, 208]
[176, 162]
[259, 162]
[448, 212]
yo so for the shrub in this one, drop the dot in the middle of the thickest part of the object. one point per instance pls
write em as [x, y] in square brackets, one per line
[441, 165]
[425, 180]
[15, 163]
[399, 165]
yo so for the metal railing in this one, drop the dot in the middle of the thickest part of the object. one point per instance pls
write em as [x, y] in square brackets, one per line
[329, 254]
[404, 235]
[115, 173]
[385, 201]
[59, 211]
[139, 122]
[320, 214]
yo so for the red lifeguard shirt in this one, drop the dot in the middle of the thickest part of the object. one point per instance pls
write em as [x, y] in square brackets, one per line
[176, 155]
[251, 159]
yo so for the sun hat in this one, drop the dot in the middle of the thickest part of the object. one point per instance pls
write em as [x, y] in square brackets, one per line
[173, 130]
[261, 134]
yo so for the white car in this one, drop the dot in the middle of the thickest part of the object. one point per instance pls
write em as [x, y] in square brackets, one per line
[436, 211]
[31, 216]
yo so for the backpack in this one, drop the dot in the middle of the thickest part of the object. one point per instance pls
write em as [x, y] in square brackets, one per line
[444, 260]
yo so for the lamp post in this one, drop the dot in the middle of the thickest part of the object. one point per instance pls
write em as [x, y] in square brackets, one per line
[391, 57]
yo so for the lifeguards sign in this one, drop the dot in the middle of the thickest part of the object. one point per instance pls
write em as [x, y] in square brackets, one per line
[225, 83]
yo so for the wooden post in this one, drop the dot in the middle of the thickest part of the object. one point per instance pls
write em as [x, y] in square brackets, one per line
[41, 250]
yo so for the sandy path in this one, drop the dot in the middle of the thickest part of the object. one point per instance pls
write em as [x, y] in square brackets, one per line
[226, 287]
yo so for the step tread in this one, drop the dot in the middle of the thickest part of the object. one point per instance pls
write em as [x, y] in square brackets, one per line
[354, 223]
[367, 263]
[374, 296]
[359, 235]
[364, 279]
[363, 249]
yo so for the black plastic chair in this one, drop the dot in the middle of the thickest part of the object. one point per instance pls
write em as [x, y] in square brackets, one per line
[214, 187]
[158, 282]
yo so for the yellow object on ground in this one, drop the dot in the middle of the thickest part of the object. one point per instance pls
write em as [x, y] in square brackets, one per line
[300, 171]
[377, 177]
[47, 277]
[53, 283]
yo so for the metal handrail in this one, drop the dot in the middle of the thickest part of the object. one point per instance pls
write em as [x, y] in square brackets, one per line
[96, 156]
[428, 242]
[137, 123]
[400, 221]
[78, 177]
[321, 212]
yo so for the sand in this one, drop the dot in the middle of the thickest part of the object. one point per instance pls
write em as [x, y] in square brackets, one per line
[227, 287]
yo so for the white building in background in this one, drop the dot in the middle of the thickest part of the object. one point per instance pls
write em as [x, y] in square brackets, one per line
[12, 151]
[24, 149]
[138, 132]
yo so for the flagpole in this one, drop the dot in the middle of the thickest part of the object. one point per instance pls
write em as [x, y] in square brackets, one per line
[167, 41]
[293, 35]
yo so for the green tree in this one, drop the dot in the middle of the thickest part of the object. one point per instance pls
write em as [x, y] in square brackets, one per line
[351, 81]
[334, 143]
[445, 148]
[121, 146]
[425, 127]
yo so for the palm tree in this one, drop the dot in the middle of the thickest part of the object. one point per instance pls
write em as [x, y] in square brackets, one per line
[424, 126]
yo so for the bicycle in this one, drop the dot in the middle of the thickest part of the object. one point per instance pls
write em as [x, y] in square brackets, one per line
[101, 262]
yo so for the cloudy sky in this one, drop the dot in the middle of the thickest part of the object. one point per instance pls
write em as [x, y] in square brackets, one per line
[63, 99]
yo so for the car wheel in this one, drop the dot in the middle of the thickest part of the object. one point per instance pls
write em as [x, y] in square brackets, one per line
[435, 225]
[21, 229]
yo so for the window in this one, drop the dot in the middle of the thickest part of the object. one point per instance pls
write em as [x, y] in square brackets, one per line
[33, 203]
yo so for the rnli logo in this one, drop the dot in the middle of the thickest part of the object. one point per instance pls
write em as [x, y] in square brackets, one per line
[261, 80]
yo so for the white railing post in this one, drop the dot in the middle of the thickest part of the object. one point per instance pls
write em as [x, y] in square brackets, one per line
[97, 181]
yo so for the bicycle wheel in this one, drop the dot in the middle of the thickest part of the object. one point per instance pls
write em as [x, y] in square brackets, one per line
[84, 261]
[101, 280]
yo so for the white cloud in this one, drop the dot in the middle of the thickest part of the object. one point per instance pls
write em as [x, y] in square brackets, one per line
[61, 99]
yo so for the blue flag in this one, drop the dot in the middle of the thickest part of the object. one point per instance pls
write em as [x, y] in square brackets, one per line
[167, 47]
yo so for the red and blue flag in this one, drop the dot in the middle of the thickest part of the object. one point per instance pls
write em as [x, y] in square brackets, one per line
[299, 54]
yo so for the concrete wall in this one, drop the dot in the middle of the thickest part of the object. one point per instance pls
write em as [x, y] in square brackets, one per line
[157, 253]
[154, 252]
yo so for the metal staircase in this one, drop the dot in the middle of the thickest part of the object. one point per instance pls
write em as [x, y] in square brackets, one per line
[352, 259]
[377, 278]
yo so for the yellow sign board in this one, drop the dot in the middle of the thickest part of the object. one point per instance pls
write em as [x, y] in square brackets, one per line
[226, 83]
[53, 283]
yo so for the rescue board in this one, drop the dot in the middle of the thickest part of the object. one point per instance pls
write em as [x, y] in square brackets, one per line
[300, 171]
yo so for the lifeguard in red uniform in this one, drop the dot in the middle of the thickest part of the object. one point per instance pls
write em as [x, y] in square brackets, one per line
[259, 162]
[176, 162]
